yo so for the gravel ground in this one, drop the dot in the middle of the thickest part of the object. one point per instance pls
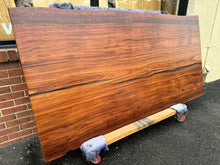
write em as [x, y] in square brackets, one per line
[195, 142]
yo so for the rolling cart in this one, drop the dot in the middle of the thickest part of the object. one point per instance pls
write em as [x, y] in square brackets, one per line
[92, 148]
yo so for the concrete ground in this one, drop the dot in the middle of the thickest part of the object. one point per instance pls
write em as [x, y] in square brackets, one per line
[195, 142]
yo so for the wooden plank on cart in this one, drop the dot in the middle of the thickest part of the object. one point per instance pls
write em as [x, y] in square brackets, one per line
[91, 72]
[138, 125]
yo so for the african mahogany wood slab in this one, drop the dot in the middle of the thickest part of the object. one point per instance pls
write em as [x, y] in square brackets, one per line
[91, 72]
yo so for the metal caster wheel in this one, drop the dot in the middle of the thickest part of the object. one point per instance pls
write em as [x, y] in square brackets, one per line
[96, 160]
[180, 118]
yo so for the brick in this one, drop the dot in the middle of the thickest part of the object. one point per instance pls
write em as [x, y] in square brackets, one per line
[10, 142]
[23, 79]
[2, 126]
[24, 114]
[14, 109]
[19, 134]
[18, 121]
[18, 87]
[32, 117]
[3, 139]
[8, 131]
[3, 56]
[12, 55]
[29, 106]
[22, 100]
[29, 136]
[28, 125]
[26, 93]
[35, 129]
[15, 72]
[18, 94]
[4, 90]
[5, 97]
[7, 118]
[10, 96]
[6, 104]
[3, 74]
[9, 65]
[9, 81]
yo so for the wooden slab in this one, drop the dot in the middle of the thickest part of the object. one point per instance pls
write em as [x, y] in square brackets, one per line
[91, 72]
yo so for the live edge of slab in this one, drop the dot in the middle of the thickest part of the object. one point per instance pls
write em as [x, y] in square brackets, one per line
[138, 125]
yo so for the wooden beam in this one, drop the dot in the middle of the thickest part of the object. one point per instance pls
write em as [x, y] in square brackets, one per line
[150, 5]
[139, 4]
[103, 3]
[138, 125]
[123, 4]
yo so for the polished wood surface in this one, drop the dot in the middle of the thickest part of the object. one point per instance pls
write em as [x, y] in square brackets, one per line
[91, 72]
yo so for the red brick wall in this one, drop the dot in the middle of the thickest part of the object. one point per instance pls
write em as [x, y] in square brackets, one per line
[16, 117]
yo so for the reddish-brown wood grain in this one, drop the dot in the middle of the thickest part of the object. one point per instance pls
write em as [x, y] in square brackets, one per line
[91, 72]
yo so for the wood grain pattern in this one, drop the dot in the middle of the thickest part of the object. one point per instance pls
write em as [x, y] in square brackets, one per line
[129, 129]
[91, 72]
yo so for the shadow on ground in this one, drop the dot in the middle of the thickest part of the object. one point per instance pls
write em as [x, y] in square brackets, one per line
[195, 142]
